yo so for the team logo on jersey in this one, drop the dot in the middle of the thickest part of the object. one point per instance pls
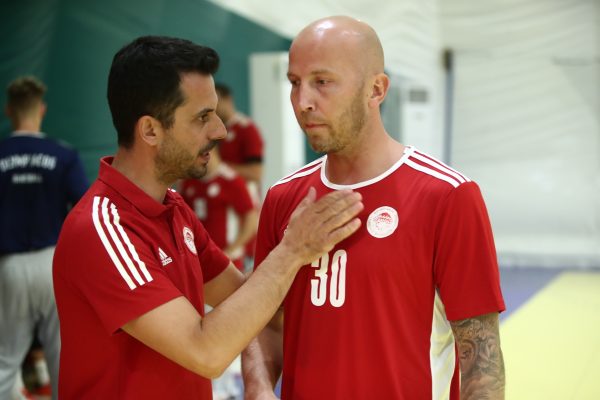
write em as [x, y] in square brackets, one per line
[164, 258]
[188, 238]
[382, 222]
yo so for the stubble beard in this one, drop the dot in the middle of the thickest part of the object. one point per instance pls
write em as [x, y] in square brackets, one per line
[345, 129]
[173, 162]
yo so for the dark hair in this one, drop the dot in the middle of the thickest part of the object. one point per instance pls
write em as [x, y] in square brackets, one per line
[222, 89]
[23, 94]
[145, 76]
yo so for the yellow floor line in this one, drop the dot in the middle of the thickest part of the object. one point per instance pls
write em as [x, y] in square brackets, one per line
[551, 345]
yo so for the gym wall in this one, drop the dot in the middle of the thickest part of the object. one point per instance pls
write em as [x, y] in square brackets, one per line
[69, 44]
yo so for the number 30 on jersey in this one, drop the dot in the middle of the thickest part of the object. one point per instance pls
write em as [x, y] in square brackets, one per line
[337, 284]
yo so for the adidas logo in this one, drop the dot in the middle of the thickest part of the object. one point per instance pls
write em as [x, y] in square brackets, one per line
[164, 258]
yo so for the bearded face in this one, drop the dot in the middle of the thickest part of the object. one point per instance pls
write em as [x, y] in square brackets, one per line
[174, 161]
[342, 128]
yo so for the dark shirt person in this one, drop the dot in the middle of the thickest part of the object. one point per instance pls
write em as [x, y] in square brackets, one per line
[40, 180]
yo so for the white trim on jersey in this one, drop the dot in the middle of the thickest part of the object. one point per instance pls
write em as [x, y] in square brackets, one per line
[130, 246]
[107, 245]
[408, 150]
[101, 212]
[310, 164]
[433, 172]
[441, 166]
[117, 242]
[299, 174]
[433, 167]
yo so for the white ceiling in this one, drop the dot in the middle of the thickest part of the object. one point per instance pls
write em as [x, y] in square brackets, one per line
[418, 29]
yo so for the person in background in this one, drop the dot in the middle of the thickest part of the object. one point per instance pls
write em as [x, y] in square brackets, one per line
[223, 204]
[134, 266]
[380, 315]
[40, 180]
[242, 150]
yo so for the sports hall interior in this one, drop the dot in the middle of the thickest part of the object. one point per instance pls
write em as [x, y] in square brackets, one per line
[506, 91]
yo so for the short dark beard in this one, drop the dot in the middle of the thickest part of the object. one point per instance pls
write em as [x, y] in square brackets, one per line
[170, 161]
[352, 122]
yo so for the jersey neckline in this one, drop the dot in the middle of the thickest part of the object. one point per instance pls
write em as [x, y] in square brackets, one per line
[27, 133]
[408, 150]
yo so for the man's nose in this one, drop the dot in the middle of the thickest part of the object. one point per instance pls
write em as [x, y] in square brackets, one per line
[305, 98]
[219, 132]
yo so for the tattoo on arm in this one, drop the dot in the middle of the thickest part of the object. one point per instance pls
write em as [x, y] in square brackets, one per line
[480, 355]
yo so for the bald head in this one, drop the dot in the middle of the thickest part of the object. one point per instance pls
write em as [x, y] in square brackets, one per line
[337, 83]
[356, 38]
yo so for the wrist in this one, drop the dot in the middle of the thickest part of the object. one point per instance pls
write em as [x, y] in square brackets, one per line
[287, 257]
[258, 391]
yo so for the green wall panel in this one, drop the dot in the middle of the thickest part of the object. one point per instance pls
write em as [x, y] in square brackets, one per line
[70, 44]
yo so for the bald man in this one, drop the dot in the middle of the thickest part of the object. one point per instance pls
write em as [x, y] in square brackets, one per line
[398, 309]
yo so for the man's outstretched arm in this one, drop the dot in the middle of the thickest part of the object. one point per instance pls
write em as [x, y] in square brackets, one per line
[207, 345]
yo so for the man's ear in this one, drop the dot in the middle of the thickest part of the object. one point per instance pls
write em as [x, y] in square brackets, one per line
[381, 84]
[149, 130]
[43, 109]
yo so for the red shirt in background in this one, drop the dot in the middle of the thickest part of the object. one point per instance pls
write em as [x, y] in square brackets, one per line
[219, 201]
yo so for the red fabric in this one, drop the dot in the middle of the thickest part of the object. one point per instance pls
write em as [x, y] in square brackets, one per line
[121, 254]
[365, 330]
[243, 143]
[212, 199]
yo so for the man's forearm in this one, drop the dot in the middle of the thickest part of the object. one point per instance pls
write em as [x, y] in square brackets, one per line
[262, 361]
[313, 229]
[233, 323]
[480, 355]
[207, 345]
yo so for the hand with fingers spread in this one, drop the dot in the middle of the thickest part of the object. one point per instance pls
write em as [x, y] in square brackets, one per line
[317, 225]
